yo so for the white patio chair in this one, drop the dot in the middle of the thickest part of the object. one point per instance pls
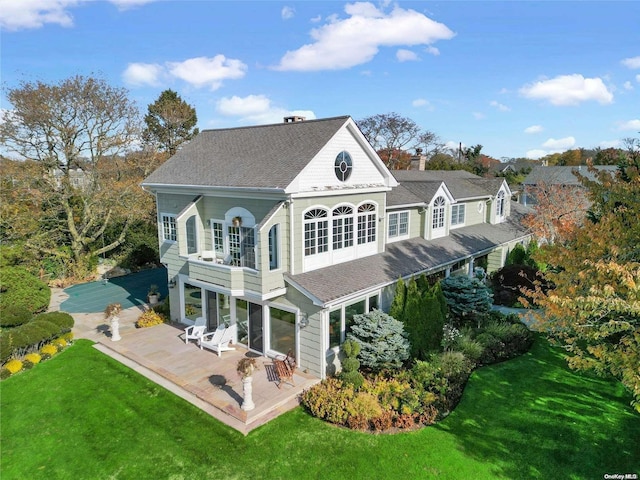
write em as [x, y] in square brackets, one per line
[195, 331]
[219, 340]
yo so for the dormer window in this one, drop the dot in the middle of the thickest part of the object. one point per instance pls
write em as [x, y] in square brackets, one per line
[500, 205]
[438, 213]
[343, 166]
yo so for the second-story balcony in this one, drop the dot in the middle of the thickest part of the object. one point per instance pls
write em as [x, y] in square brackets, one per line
[231, 272]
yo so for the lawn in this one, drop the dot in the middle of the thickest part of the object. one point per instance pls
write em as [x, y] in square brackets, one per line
[82, 415]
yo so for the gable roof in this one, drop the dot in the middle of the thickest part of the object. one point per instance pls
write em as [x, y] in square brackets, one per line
[461, 184]
[264, 156]
[563, 175]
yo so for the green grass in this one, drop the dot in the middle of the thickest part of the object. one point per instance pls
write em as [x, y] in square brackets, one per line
[82, 415]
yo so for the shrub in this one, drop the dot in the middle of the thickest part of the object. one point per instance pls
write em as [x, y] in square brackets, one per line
[60, 343]
[382, 422]
[34, 358]
[48, 351]
[148, 319]
[14, 366]
[63, 320]
[351, 364]
[364, 405]
[20, 288]
[68, 337]
[509, 281]
[467, 299]
[471, 348]
[382, 340]
[329, 400]
[493, 348]
[515, 337]
[4, 373]
[14, 315]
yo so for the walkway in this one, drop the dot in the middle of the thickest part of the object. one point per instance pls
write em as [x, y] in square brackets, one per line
[209, 382]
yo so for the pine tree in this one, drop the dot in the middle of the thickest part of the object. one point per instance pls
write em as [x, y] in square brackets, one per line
[170, 122]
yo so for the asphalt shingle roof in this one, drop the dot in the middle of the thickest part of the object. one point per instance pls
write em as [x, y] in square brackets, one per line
[406, 258]
[562, 175]
[461, 184]
[265, 156]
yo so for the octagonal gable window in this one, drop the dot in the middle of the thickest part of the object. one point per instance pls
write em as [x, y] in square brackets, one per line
[343, 166]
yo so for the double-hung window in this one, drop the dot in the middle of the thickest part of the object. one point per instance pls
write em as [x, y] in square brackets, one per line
[500, 205]
[457, 214]
[169, 230]
[316, 231]
[398, 224]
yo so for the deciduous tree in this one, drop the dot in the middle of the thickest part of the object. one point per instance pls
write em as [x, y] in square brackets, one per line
[78, 133]
[593, 311]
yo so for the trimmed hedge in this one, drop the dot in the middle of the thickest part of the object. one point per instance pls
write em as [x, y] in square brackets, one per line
[19, 288]
[30, 336]
[14, 316]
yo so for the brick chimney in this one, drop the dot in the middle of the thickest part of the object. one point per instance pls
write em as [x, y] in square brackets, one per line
[418, 160]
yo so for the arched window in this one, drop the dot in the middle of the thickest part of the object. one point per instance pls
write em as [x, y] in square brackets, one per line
[316, 231]
[366, 223]
[438, 213]
[192, 238]
[500, 204]
[342, 227]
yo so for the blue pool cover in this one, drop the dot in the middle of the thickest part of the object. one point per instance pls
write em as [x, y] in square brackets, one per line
[128, 290]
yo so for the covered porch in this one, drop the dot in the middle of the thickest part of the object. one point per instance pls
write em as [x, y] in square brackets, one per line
[209, 382]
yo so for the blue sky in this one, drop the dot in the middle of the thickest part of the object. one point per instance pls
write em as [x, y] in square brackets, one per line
[519, 78]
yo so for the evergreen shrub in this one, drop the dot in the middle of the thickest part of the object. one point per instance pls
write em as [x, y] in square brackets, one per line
[14, 315]
[20, 288]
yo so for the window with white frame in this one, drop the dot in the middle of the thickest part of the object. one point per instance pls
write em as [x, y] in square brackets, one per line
[169, 230]
[316, 231]
[342, 227]
[500, 204]
[457, 214]
[438, 213]
[274, 252]
[242, 246]
[192, 237]
[217, 236]
[366, 223]
[398, 224]
[341, 319]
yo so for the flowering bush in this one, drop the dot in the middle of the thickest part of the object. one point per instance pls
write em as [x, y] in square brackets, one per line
[48, 351]
[449, 336]
[14, 366]
[149, 319]
[60, 343]
[34, 358]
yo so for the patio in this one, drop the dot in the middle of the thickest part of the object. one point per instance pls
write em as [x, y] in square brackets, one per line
[204, 379]
[207, 381]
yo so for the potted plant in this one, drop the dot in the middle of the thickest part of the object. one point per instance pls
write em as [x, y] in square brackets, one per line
[111, 313]
[245, 369]
[153, 294]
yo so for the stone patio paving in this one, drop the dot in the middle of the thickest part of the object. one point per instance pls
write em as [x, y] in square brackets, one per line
[199, 376]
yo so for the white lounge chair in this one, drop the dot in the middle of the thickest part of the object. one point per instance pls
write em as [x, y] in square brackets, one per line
[195, 331]
[219, 340]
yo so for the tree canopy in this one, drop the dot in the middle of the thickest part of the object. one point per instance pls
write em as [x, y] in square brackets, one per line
[170, 122]
[593, 309]
[76, 140]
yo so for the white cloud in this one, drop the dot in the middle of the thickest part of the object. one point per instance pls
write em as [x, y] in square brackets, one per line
[629, 125]
[344, 43]
[316, 19]
[287, 13]
[628, 85]
[534, 129]
[199, 72]
[406, 55]
[21, 14]
[638, 78]
[257, 110]
[205, 71]
[419, 102]
[568, 90]
[478, 115]
[27, 14]
[243, 106]
[432, 50]
[536, 154]
[632, 62]
[143, 74]
[500, 106]
[560, 143]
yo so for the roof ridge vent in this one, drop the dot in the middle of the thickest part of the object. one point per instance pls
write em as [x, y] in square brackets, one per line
[294, 118]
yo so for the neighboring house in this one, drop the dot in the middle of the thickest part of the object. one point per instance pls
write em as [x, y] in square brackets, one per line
[565, 177]
[289, 230]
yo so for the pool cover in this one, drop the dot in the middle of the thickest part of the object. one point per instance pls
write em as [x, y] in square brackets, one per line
[128, 290]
